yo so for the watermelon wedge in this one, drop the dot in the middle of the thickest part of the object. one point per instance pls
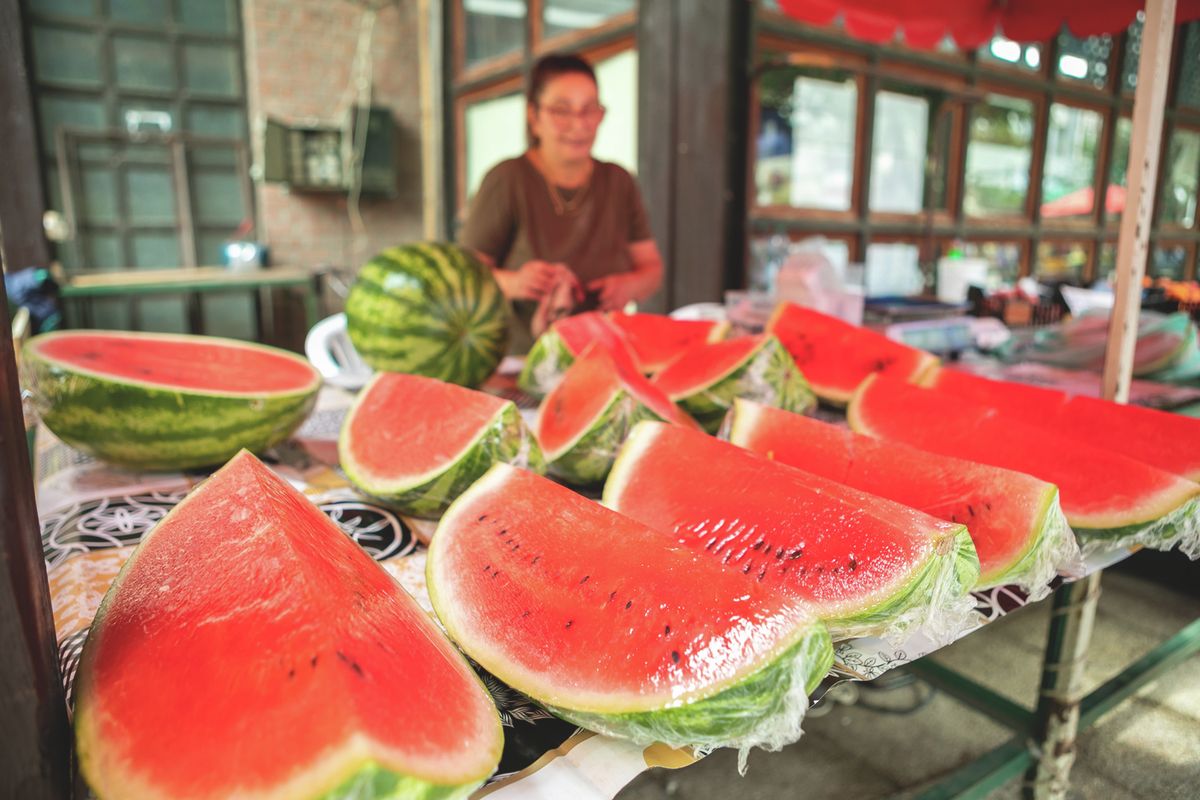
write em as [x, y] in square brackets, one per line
[416, 443]
[155, 401]
[1170, 442]
[705, 380]
[1108, 498]
[1015, 522]
[656, 339]
[868, 566]
[251, 649]
[566, 339]
[835, 356]
[608, 625]
[582, 422]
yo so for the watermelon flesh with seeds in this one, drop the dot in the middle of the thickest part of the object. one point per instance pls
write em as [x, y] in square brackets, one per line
[1015, 521]
[610, 626]
[835, 356]
[250, 649]
[416, 443]
[1170, 442]
[153, 401]
[1108, 498]
[705, 380]
[656, 339]
[868, 566]
[565, 340]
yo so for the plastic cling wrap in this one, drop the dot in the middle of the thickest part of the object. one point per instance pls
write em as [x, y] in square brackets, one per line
[548, 359]
[587, 461]
[1054, 551]
[1177, 528]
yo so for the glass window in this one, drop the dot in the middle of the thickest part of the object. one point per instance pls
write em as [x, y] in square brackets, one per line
[616, 140]
[151, 197]
[493, 28]
[1189, 72]
[998, 157]
[62, 55]
[1068, 180]
[212, 69]
[1133, 53]
[1168, 261]
[143, 63]
[1060, 261]
[139, 12]
[898, 152]
[67, 111]
[1084, 60]
[208, 16]
[1002, 50]
[63, 8]
[1177, 198]
[1118, 169]
[893, 270]
[495, 130]
[1107, 262]
[562, 16]
[1004, 260]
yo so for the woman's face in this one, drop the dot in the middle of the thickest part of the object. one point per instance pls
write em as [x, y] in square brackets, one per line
[567, 116]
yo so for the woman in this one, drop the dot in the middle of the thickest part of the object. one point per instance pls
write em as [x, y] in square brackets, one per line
[562, 231]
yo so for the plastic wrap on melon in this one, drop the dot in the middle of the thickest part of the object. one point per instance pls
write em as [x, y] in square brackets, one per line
[546, 362]
[1054, 552]
[1178, 528]
[588, 460]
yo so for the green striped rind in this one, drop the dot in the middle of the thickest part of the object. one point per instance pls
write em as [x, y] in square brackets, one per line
[374, 782]
[505, 439]
[588, 460]
[545, 364]
[768, 375]
[428, 309]
[762, 710]
[1052, 550]
[1177, 528]
[936, 598]
[141, 427]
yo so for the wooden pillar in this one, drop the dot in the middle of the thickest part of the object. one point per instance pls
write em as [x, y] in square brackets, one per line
[693, 115]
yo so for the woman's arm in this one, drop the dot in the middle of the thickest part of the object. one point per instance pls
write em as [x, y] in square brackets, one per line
[644, 278]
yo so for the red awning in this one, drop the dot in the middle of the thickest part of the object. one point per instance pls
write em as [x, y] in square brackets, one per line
[971, 23]
[1082, 201]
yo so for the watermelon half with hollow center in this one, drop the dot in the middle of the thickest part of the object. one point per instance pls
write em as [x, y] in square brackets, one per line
[612, 627]
[1107, 497]
[250, 649]
[868, 566]
[835, 356]
[156, 401]
[1170, 442]
[563, 342]
[1015, 522]
[656, 339]
[582, 422]
[705, 380]
[417, 443]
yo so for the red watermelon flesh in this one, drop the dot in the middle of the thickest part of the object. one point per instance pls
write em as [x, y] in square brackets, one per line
[589, 386]
[1014, 519]
[657, 340]
[1101, 490]
[1170, 442]
[651, 395]
[704, 364]
[835, 356]
[580, 331]
[250, 648]
[866, 564]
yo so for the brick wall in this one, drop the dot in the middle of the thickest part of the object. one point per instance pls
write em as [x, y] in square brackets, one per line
[299, 64]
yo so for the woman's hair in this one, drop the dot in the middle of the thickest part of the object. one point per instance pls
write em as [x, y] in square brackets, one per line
[546, 69]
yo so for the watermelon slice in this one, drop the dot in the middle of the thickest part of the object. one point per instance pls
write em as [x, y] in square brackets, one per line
[566, 339]
[705, 380]
[1108, 498]
[1016, 524]
[868, 566]
[610, 626]
[656, 339]
[582, 422]
[1168, 441]
[416, 443]
[155, 401]
[835, 356]
[251, 649]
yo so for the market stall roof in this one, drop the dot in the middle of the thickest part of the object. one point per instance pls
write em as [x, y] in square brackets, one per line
[972, 23]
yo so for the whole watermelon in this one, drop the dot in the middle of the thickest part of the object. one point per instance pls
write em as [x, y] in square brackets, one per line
[429, 308]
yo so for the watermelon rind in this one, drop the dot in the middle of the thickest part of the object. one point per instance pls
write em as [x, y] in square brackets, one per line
[428, 309]
[1053, 550]
[768, 375]
[373, 782]
[545, 364]
[505, 438]
[150, 427]
[1179, 527]
[586, 461]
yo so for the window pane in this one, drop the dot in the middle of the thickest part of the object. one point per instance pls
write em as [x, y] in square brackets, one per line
[63, 8]
[1084, 60]
[141, 12]
[1107, 261]
[1133, 53]
[998, 157]
[150, 196]
[1060, 261]
[1005, 51]
[1004, 260]
[229, 315]
[494, 28]
[104, 252]
[1168, 261]
[1189, 74]
[155, 250]
[898, 153]
[208, 16]
[66, 111]
[144, 63]
[1117, 171]
[495, 130]
[1177, 199]
[212, 69]
[66, 56]
[99, 204]
[893, 271]
[217, 198]
[561, 16]
[945, 121]
[1067, 184]
[617, 138]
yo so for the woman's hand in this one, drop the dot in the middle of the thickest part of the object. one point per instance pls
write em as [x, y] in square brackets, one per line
[533, 280]
[613, 292]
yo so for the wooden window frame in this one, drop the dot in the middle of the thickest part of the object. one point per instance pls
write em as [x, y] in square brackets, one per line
[1099, 169]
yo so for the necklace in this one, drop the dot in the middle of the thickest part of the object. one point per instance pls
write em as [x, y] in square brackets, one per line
[567, 205]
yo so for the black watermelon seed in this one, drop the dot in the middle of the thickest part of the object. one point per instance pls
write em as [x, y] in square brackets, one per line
[313, 662]
[799, 551]
[585, 579]
[291, 673]
[758, 545]
[612, 597]
[667, 630]
[675, 656]
[970, 509]
[570, 622]
[481, 518]
[853, 565]
[535, 559]
[628, 603]
[779, 554]
[525, 613]
[746, 569]
[496, 573]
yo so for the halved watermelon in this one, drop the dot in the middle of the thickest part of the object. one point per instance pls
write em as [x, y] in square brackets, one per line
[1168, 441]
[705, 380]
[607, 624]
[157, 401]
[582, 422]
[1016, 524]
[556, 349]
[416, 443]
[1107, 497]
[835, 356]
[250, 649]
[867, 565]
[656, 339]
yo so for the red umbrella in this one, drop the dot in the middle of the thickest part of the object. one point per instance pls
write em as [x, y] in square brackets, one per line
[1083, 201]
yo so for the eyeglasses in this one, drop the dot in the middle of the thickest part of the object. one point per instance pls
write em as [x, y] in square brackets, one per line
[562, 115]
